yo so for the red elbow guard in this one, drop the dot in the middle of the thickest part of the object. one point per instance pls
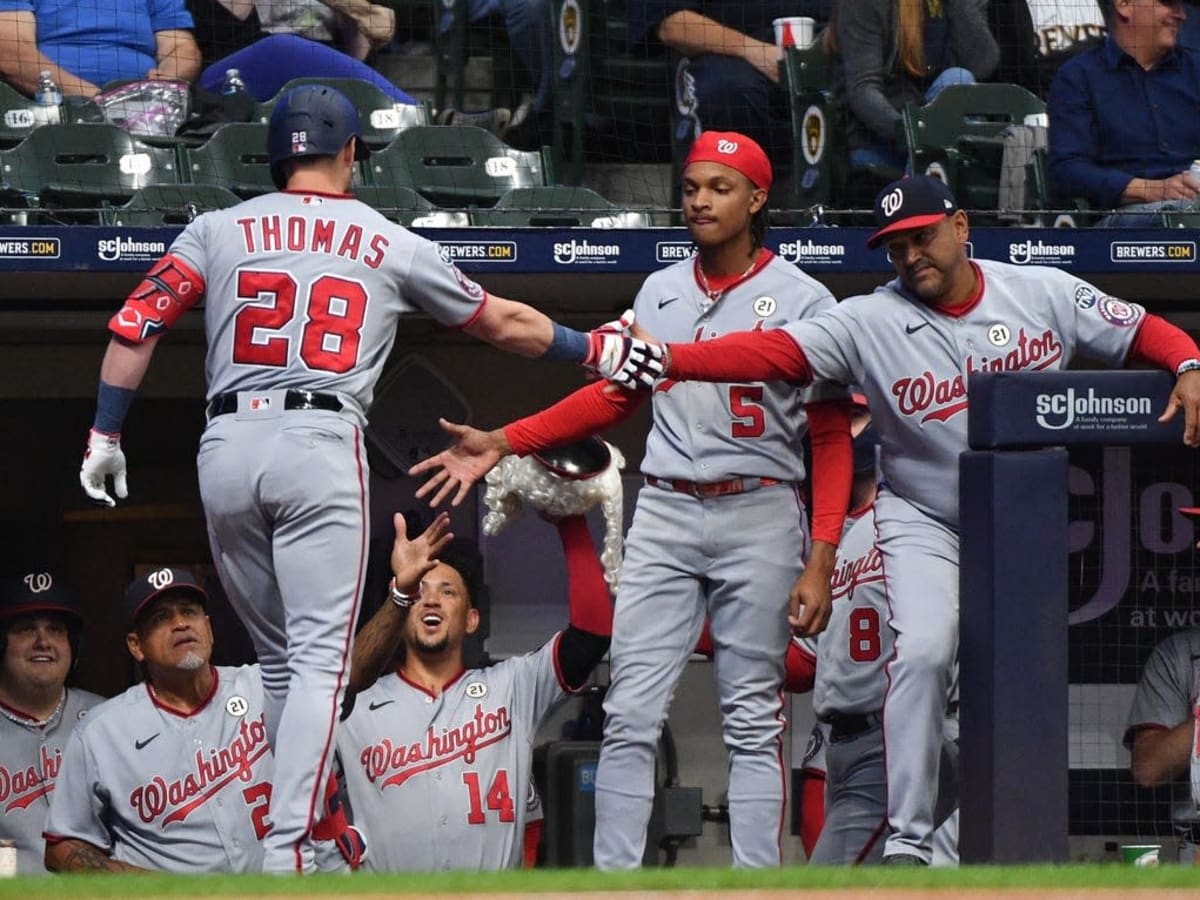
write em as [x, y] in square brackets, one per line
[169, 289]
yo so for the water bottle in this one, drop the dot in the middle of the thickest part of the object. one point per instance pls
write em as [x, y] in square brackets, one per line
[49, 100]
[233, 84]
[1194, 170]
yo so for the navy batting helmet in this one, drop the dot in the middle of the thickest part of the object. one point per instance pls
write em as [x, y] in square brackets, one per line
[311, 120]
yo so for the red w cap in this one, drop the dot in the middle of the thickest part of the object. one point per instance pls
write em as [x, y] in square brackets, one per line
[734, 150]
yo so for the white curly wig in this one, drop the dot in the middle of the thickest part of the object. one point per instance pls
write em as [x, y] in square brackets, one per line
[516, 481]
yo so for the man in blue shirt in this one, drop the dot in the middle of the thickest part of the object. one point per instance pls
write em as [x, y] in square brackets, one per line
[1125, 117]
[84, 45]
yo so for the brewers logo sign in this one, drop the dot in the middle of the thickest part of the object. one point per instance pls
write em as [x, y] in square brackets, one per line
[1153, 251]
[814, 135]
[570, 27]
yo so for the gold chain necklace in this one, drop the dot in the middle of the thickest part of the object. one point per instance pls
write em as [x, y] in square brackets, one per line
[716, 295]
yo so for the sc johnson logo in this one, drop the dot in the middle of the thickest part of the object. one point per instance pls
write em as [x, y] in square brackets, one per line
[1087, 412]
[674, 251]
[479, 251]
[1038, 253]
[124, 248]
[809, 251]
[1153, 251]
[568, 253]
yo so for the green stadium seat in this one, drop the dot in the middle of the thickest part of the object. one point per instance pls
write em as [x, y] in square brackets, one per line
[608, 103]
[235, 157]
[559, 206]
[170, 204]
[407, 207]
[959, 137]
[381, 117]
[83, 166]
[455, 166]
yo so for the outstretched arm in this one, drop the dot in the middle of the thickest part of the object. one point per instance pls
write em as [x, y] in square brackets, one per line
[589, 629]
[585, 412]
[376, 644]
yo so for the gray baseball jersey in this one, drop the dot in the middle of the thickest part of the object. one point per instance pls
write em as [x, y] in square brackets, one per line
[166, 790]
[854, 648]
[710, 432]
[1167, 695]
[31, 754]
[445, 782]
[302, 292]
[913, 361]
[732, 557]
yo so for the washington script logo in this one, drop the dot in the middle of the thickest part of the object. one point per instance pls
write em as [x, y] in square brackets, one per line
[395, 764]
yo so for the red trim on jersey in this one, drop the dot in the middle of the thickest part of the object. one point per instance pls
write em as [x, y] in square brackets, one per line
[558, 673]
[856, 514]
[833, 462]
[335, 706]
[424, 690]
[744, 356]
[719, 284]
[1161, 344]
[578, 415]
[476, 314]
[332, 194]
[800, 669]
[957, 312]
[812, 808]
[183, 714]
[880, 831]
[20, 713]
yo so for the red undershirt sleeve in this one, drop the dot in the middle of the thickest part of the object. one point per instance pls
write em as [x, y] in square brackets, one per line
[579, 415]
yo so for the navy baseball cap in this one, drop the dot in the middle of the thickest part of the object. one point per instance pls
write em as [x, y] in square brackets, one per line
[912, 202]
[147, 588]
[35, 592]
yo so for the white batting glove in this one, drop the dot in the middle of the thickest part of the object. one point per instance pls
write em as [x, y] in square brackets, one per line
[630, 362]
[103, 457]
[619, 326]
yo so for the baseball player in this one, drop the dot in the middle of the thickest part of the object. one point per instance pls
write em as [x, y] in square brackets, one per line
[720, 461]
[1162, 732]
[437, 760]
[911, 345]
[175, 774]
[41, 626]
[302, 292]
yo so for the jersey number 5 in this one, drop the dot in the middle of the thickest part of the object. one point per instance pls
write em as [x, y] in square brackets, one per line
[745, 402]
[334, 309]
[498, 798]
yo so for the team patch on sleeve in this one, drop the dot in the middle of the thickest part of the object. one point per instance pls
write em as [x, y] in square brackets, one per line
[472, 287]
[1118, 312]
[1085, 296]
[169, 289]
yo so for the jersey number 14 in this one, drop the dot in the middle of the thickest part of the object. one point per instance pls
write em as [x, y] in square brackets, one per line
[499, 799]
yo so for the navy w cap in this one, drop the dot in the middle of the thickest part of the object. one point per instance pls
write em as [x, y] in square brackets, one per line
[912, 202]
[35, 592]
[147, 588]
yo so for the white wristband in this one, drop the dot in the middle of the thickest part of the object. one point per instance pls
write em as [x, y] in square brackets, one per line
[1188, 365]
[401, 599]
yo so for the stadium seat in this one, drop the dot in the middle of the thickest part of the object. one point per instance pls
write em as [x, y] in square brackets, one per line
[558, 206]
[608, 103]
[235, 157]
[959, 137]
[83, 167]
[407, 207]
[381, 117]
[170, 204]
[455, 166]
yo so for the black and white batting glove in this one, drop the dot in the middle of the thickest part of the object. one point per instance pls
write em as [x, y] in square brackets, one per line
[103, 457]
[627, 361]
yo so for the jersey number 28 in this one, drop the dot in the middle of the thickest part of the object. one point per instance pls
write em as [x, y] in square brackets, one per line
[333, 309]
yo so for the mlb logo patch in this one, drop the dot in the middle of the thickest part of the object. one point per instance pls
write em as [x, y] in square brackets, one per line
[259, 403]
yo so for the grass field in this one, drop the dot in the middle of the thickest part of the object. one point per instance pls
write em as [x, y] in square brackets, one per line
[1110, 880]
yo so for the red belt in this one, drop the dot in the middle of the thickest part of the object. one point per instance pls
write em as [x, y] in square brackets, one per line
[711, 488]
